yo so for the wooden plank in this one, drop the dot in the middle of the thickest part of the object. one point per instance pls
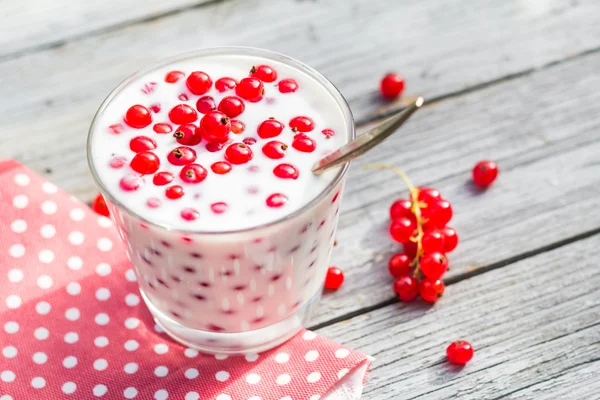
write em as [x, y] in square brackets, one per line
[534, 326]
[491, 41]
[29, 25]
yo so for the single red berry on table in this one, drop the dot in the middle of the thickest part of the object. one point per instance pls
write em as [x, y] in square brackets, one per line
[182, 114]
[485, 173]
[302, 124]
[189, 214]
[162, 178]
[434, 265]
[406, 288]
[215, 127]
[99, 206]
[174, 76]
[237, 127]
[286, 171]
[402, 229]
[223, 84]
[303, 143]
[174, 192]
[459, 352]
[431, 289]
[400, 208]
[264, 73]
[188, 134]
[138, 117]
[274, 149]
[276, 200]
[221, 167]
[182, 156]
[193, 173]
[450, 239]
[392, 85]
[269, 129]
[432, 241]
[141, 143]
[328, 133]
[238, 153]
[250, 89]
[232, 106]
[399, 265]
[145, 163]
[334, 278]
[205, 104]
[198, 82]
[162, 128]
[130, 182]
[287, 86]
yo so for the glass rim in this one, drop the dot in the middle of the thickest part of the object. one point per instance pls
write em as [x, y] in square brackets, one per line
[226, 50]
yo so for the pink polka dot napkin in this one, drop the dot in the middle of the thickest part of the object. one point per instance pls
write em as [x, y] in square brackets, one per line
[72, 323]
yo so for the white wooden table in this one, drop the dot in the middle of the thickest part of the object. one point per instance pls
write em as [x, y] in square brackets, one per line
[516, 81]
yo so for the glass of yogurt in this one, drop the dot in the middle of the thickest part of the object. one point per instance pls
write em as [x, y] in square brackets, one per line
[205, 162]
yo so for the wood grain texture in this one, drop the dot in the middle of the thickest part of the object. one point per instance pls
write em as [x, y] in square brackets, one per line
[535, 327]
[28, 25]
[439, 49]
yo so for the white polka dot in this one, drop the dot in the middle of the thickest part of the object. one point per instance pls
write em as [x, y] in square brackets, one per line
[43, 307]
[41, 333]
[252, 379]
[11, 327]
[282, 358]
[315, 397]
[17, 250]
[131, 368]
[44, 282]
[104, 244]
[46, 256]
[221, 356]
[102, 294]
[190, 353]
[73, 288]
[9, 352]
[161, 348]
[7, 376]
[161, 371]
[132, 300]
[77, 214]
[47, 231]
[192, 396]
[75, 263]
[13, 301]
[102, 319]
[158, 329]
[18, 226]
[103, 269]
[15, 275]
[283, 379]
[311, 356]
[313, 377]
[49, 207]
[308, 335]
[71, 337]
[251, 357]
[20, 201]
[99, 390]
[131, 345]
[76, 238]
[191, 373]
[223, 396]
[22, 179]
[72, 314]
[49, 187]
[130, 393]
[69, 388]
[100, 364]
[104, 221]
[40, 358]
[161, 394]
[130, 275]
[132, 323]
[222, 376]
[101, 341]
[38, 382]
[342, 372]
[70, 362]
[342, 353]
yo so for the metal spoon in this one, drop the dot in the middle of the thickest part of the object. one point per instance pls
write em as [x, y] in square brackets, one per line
[367, 140]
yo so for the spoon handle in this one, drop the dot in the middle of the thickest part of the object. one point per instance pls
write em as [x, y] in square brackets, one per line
[367, 140]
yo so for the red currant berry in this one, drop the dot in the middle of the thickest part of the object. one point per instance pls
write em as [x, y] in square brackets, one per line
[138, 117]
[224, 84]
[237, 127]
[219, 207]
[286, 171]
[249, 141]
[174, 192]
[174, 76]
[459, 352]
[287, 86]
[406, 288]
[182, 156]
[130, 182]
[238, 153]
[183, 97]
[328, 133]
[264, 73]
[431, 289]
[402, 229]
[141, 143]
[399, 265]
[205, 104]
[162, 128]
[432, 241]
[188, 134]
[198, 82]
[392, 85]
[437, 214]
[214, 147]
[250, 89]
[221, 167]
[155, 108]
[302, 124]
[116, 128]
[400, 208]
[189, 214]
[276, 200]
[99, 206]
[215, 127]
[182, 114]
[232, 106]
[162, 178]
[434, 265]
[428, 195]
[274, 149]
[450, 239]
[334, 278]
[410, 249]
[145, 163]
[485, 173]
[269, 129]
[193, 173]
[303, 143]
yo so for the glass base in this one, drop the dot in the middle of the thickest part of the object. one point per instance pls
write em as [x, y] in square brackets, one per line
[255, 341]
